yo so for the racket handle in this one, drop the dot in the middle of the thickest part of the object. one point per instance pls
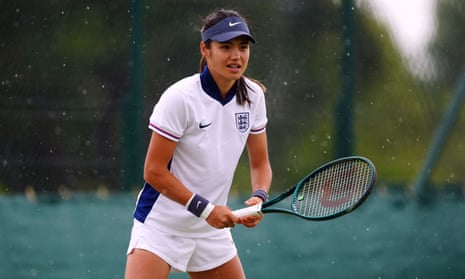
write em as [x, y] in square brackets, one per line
[250, 210]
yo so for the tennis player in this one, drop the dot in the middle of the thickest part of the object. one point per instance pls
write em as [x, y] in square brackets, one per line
[201, 125]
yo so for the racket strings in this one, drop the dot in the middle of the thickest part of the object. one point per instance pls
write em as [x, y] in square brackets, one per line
[334, 189]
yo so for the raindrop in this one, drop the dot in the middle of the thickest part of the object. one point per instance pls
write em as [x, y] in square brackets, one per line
[58, 130]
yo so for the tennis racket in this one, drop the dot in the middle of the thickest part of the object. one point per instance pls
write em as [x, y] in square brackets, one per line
[332, 190]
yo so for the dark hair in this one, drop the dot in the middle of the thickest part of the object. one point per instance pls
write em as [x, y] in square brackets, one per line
[213, 18]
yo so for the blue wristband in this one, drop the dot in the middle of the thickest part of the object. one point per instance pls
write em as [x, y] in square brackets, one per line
[197, 205]
[262, 194]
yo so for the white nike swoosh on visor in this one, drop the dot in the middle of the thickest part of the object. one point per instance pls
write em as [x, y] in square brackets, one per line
[231, 24]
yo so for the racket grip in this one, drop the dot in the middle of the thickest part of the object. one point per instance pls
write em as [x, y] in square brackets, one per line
[250, 210]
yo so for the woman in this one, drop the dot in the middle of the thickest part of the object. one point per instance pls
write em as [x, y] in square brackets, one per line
[201, 125]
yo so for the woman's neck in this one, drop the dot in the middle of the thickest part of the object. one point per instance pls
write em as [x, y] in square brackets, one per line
[224, 86]
[212, 88]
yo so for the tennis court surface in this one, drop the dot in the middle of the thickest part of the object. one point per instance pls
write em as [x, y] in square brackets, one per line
[86, 237]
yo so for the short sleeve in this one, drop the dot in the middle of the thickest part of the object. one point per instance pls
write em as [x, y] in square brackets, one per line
[169, 116]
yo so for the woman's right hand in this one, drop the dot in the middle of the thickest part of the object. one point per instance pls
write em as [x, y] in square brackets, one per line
[222, 217]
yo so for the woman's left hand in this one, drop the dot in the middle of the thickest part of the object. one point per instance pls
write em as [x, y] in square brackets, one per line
[251, 221]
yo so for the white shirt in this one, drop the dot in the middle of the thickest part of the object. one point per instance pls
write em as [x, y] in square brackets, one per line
[210, 137]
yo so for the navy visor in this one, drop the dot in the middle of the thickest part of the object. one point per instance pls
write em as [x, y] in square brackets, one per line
[227, 29]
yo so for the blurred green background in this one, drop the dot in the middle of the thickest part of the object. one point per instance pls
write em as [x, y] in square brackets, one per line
[378, 78]
[78, 81]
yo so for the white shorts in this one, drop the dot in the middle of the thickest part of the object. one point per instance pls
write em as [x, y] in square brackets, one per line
[181, 253]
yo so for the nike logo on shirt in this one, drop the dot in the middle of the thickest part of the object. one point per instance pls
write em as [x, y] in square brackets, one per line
[203, 126]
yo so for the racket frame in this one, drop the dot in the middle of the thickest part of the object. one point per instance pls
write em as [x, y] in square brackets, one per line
[266, 207]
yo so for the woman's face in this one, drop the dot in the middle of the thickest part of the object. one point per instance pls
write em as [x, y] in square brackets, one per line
[227, 61]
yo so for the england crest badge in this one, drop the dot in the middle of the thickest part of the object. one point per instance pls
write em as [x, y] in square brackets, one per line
[242, 121]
